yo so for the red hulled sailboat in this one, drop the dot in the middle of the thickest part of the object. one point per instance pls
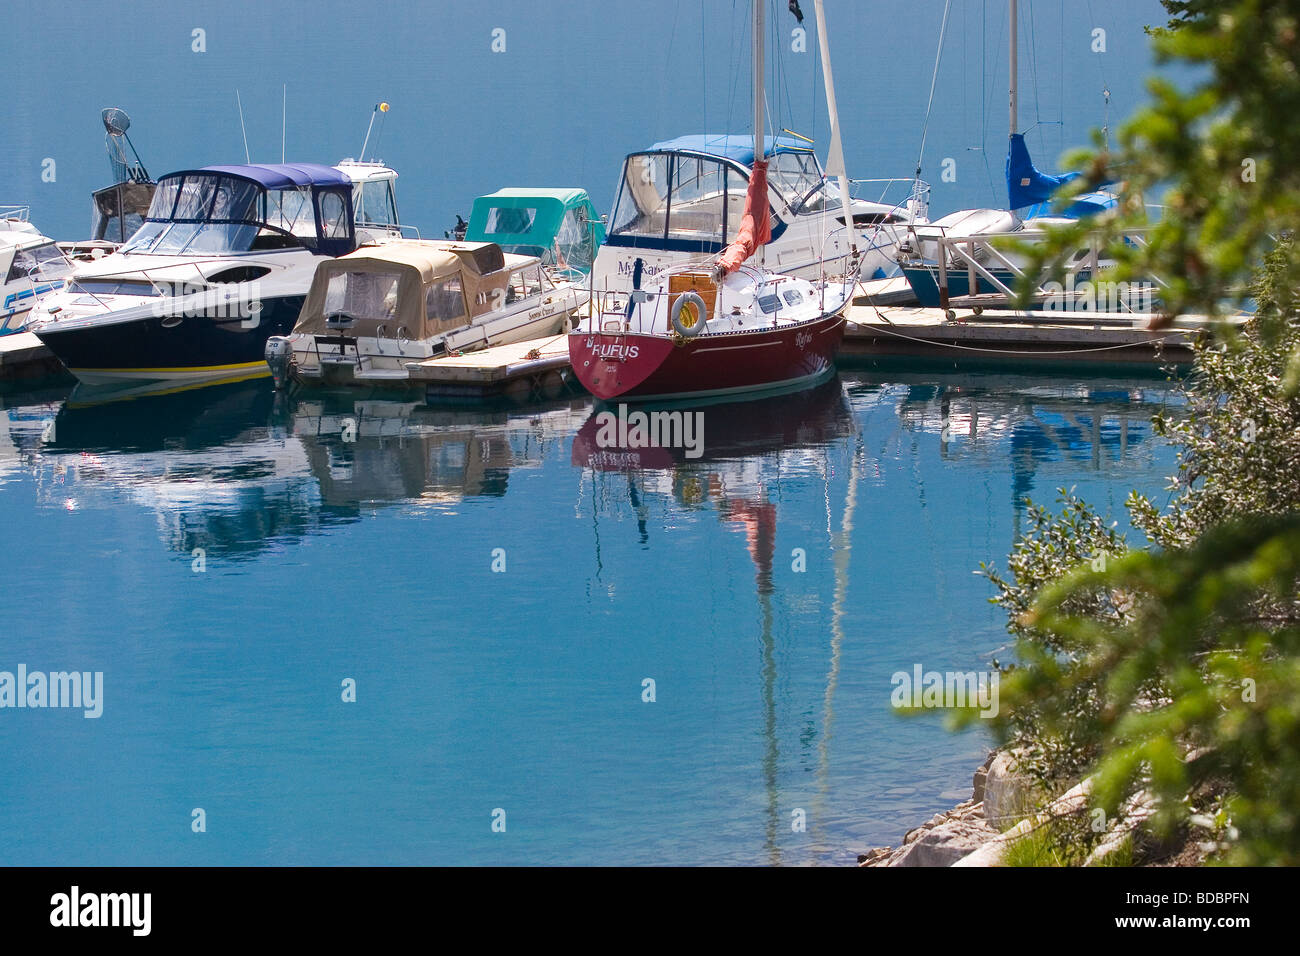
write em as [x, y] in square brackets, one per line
[722, 325]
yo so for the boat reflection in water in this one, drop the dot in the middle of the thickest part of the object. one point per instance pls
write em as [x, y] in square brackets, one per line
[1049, 432]
[821, 542]
[747, 446]
[237, 468]
[371, 451]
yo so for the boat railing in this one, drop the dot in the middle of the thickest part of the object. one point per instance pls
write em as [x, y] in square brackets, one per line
[985, 257]
[16, 213]
[621, 311]
[916, 202]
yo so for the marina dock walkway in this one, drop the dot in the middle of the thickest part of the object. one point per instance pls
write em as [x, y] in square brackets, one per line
[539, 368]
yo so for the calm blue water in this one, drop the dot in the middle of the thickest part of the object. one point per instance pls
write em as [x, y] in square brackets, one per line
[372, 559]
[579, 84]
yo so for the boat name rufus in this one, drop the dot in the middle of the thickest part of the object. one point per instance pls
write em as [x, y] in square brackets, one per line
[651, 430]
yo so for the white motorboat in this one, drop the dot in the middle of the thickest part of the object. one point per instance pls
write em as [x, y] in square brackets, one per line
[222, 262]
[31, 265]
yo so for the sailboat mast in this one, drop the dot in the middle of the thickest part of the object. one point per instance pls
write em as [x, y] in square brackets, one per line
[759, 12]
[835, 155]
[1015, 65]
[759, 36]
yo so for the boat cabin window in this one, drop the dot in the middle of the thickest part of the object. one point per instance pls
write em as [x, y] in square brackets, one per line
[510, 221]
[444, 303]
[119, 210]
[792, 296]
[697, 201]
[110, 286]
[642, 205]
[333, 215]
[363, 295]
[769, 303]
[377, 206]
[290, 210]
[39, 263]
[679, 198]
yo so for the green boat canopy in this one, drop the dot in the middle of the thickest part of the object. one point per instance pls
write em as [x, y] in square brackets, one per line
[559, 226]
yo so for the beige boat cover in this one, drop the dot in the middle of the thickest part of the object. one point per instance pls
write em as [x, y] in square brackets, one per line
[421, 264]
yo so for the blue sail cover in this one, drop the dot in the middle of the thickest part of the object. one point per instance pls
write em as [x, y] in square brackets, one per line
[1027, 186]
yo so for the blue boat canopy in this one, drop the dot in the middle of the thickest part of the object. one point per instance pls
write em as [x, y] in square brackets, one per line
[221, 210]
[736, 147]
[282, 175]
[1027, 186]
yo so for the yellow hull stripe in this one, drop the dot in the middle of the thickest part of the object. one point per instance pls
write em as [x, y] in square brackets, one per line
[242, 366]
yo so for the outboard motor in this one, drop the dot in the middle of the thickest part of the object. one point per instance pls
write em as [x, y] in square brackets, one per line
[279, 355]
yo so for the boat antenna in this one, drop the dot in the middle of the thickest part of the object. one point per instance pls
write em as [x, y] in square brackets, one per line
[240, 104]
[284, 109]
[116, 123]
[379, 108]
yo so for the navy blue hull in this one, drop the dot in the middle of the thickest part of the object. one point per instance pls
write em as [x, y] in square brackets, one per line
[163, 347]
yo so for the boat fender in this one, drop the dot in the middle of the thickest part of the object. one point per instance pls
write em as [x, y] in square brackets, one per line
[701, 312]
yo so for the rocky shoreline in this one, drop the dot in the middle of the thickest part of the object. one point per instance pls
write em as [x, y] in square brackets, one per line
[972, 833]
[946, 838]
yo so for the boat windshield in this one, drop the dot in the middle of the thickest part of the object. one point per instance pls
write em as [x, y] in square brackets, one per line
[39, 263]
[824, 196]
[794, 175]
[680, 199]
[213, 214]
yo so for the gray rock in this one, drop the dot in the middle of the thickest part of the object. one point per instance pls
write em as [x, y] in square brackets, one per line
[1007, 793]
[945, 844]
[981, 775]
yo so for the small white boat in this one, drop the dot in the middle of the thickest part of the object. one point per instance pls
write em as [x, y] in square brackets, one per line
[372, 313]
[31, 265]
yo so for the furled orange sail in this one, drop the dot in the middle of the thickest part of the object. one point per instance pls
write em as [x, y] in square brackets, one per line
[755, 226]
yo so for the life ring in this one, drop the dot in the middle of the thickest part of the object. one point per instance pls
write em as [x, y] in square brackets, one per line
[701, 315]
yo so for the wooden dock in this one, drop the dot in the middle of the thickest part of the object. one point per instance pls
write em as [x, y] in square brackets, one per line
[537, 369]
[22, 356]
[982, 334]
